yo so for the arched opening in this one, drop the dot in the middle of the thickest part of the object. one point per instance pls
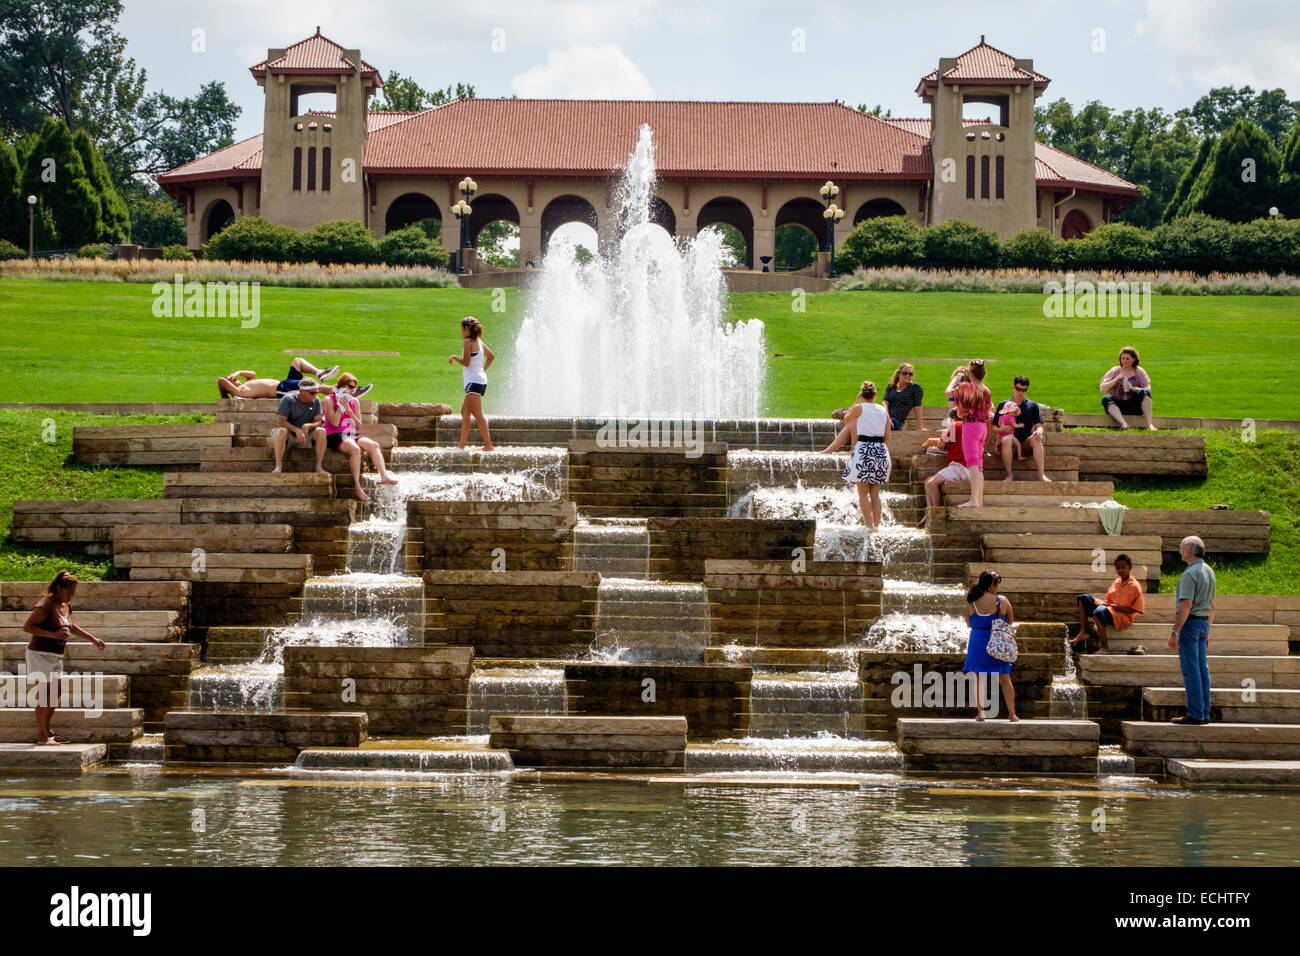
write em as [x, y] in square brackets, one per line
[563, 210]
[410, 208]
[732, 213]
[876, 208]
[796, 247]
[585, 239]
[498, 244]
[313, 98]
[488, 209]
[662, 214]
[220, 214]
[1076, 225]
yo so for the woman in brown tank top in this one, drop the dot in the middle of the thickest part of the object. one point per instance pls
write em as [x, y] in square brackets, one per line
[50, 625]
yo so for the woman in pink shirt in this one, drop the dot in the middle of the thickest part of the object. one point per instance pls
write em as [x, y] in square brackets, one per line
[343, 433]
[1126, 389]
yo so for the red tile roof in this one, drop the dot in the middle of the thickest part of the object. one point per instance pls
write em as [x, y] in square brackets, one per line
[586, 137]
[316, 54]
[692, 139]
[984, 63]
[1052, 167]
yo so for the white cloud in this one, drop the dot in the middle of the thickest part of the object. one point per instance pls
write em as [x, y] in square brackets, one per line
[1213, 43]
[601, 71]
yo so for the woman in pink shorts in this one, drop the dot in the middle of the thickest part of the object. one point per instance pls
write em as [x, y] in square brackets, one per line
[975, 409]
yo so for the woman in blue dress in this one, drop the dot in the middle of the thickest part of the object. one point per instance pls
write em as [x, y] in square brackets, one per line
[984, 606]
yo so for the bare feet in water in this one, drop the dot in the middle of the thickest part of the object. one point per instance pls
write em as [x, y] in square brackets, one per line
[361, 494]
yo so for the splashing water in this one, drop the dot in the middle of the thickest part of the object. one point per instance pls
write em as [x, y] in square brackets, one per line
[638, 332]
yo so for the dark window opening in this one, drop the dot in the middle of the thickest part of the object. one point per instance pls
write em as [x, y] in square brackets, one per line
[325, 172]
[297, 168]
[311, 171]
[984, 177]
[1000, 174]
[970, 177]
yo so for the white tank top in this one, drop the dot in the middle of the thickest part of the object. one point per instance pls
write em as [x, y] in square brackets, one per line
[872, 420]
[473, 372]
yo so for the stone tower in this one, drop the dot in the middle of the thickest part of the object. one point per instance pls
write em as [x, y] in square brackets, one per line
[312, 162]
[984, 172]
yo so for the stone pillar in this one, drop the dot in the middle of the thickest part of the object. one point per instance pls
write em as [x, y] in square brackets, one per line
[764, 246]
[530, 241]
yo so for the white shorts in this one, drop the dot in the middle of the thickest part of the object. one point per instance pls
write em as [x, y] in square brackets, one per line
[955, 472]
[41, 662]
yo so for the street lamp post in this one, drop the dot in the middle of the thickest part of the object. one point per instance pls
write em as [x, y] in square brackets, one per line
[31, 227]
[463, 211]
[832, 215]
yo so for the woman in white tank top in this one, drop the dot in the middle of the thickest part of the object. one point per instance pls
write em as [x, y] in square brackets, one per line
[475, 357]
[869, 464]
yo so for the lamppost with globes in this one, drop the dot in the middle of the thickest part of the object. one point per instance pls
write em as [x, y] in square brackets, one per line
[31, 227]
[832, 215]
[462, 209]
[1272, 212]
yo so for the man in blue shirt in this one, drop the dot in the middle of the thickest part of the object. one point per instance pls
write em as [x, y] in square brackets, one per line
[1191, 634]
[1029, 430]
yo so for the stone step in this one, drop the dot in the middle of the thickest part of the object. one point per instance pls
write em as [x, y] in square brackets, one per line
[1227, 704]
[784, 658]
[1235, 639]
[806, 756]
[114, 725]
[1000, 746]
[73, 690]
[1162, 670]
[1213, 741]
[389, 756]
[22, 757]
[239, 737]
[1234, 773]
[109, 626]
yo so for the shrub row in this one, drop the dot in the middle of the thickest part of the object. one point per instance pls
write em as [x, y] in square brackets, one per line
[1194, 243]
[342, 242]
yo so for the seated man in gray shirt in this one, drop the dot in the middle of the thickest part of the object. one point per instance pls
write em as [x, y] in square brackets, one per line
[299, 420]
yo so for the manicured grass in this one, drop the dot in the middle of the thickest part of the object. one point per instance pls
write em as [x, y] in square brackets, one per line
[30, 468]
[1208, 356]
[1263, 475]
[1225, 356]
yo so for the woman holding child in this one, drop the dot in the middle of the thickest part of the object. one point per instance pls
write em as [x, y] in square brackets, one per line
[974, 405]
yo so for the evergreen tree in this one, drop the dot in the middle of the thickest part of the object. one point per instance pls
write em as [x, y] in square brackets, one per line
[1290, 201]
[1241, 176]
[1179, 199]
[115, 223]
[68, 210]
[13, 214]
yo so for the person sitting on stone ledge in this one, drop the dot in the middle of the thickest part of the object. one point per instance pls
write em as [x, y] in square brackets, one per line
[343, 433]
[954, 470]
[902, 395]
[1126, 389]
[1027, 431]
[298, 421]
[1123, 600]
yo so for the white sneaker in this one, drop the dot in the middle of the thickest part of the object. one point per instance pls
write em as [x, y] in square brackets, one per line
[328, 373]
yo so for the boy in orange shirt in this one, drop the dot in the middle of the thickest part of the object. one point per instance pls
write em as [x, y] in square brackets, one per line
[1123, 600]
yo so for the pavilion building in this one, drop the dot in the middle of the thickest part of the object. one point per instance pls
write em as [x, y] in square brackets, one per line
[542, 163]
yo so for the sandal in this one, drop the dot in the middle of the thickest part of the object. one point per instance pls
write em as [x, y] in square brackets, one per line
[1137, 650]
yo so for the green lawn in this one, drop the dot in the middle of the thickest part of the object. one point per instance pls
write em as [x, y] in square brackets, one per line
[30, 467]
[1222, 356]
[1208, 356]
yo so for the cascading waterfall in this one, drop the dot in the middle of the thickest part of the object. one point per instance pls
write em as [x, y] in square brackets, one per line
[514, 690]
[641, 621]
[614, 547]
[639, 332]
[1069, 698]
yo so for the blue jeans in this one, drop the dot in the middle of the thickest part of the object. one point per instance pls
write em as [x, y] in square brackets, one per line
[1196, 670]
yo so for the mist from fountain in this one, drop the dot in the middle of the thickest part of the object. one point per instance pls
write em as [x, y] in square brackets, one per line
[639, 332]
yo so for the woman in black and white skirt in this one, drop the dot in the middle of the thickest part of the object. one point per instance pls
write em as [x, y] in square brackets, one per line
[868, 466]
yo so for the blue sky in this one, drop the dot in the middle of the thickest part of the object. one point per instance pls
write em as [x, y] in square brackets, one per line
[1152, 52]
